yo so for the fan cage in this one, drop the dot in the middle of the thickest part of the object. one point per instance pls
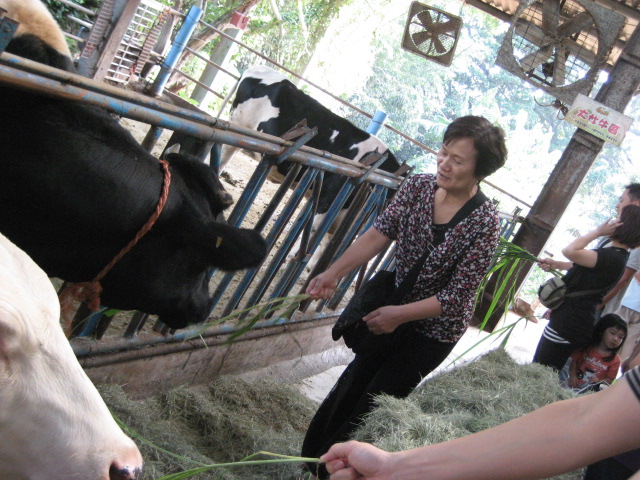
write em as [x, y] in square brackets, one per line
[431, 33]
[579, 46]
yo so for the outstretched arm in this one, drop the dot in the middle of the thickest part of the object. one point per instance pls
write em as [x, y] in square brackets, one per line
[366, 246]
[554, 439]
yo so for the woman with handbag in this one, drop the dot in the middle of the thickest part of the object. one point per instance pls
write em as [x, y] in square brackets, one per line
[448, 256]
[591, 274]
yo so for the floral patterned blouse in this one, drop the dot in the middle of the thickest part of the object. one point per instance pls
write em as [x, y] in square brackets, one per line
[454, 269]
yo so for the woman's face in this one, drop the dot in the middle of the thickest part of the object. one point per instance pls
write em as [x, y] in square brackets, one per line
[456, 166]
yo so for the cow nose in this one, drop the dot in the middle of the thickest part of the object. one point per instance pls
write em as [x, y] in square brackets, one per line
[118, 471]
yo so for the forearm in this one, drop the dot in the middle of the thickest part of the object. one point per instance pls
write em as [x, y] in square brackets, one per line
[360, 252]
[427, 308]
[579, 243]
[558, 265]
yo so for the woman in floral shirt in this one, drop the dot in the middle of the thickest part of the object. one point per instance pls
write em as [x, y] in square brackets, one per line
[436, 313]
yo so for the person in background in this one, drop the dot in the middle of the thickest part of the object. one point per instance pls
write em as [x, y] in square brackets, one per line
[611, 301]
[596, 271]
[554, 439]
[436, 312]
[599, 362]
[630, 312]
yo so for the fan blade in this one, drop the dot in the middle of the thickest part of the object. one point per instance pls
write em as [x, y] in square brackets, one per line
[550, 16]
[559, 67]
[535, 59]
[443, 27]
[425, 18]
[421, 37]
[440, 48]
[580, 22]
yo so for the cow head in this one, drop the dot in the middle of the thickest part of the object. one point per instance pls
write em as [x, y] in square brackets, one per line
[53, 423]
[174, 260]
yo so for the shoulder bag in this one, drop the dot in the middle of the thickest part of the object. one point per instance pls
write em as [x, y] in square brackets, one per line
[379, 291]
[553, 292]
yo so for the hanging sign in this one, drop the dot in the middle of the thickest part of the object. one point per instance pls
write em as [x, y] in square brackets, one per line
[598, 120]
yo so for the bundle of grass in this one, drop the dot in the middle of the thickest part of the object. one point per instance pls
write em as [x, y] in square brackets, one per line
[224, 422]
[481, 394]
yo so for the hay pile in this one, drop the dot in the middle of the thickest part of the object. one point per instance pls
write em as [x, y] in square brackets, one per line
[224, 422]
[233, 418]
[486, 392]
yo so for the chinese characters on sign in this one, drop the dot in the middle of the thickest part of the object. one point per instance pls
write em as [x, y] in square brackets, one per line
[598, 120]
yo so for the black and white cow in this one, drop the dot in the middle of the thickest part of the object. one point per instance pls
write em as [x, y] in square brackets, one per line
[268, 102]
[76, 187]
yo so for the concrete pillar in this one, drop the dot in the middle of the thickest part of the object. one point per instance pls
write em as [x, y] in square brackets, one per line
[219, 57]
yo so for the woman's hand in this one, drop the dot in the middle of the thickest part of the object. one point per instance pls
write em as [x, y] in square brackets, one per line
[546, 264]
[355, 460]
[322, 286]
[607, 228]
[384, 319]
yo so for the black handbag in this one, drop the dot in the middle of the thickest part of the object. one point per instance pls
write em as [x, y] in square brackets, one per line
[379, 291]
[376, 293]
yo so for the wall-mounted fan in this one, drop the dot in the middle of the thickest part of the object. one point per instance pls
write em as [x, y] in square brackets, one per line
[559, 46]
[431, 33]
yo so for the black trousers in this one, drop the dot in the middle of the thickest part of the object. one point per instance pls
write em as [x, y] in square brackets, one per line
[608, 469]
[553, 354]
[396, 372]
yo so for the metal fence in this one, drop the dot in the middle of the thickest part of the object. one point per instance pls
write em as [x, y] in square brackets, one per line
[278, 276]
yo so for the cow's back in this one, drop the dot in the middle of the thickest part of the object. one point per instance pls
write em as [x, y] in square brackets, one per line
[274, 107]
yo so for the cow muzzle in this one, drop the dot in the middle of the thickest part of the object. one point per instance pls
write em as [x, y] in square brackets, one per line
[118, 471]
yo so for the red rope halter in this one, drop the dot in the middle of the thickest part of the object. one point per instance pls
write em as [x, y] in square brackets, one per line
[89, 292]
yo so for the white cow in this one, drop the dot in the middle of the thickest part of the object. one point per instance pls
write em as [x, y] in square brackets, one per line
[34, 18]
[53, 422]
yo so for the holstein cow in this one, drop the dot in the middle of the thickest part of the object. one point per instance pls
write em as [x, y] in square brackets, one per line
[268, 102]
[53, 423]
[76, 188]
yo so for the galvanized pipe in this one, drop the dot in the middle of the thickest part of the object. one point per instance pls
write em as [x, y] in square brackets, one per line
[58, 83]
[283, 219]
[179, 44]
[178, 341]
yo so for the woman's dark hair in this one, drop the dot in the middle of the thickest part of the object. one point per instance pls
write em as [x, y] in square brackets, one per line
[488, 140]
[629, 232]
[607, 321]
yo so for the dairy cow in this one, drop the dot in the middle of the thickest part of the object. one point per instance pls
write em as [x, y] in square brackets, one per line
[76, 188]
[53, 423]
[268, 102]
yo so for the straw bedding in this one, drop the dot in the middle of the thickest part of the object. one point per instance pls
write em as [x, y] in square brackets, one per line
[232, 418]
[481, 394]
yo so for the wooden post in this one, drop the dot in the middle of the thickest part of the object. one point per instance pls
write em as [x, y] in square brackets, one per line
[115, 38]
